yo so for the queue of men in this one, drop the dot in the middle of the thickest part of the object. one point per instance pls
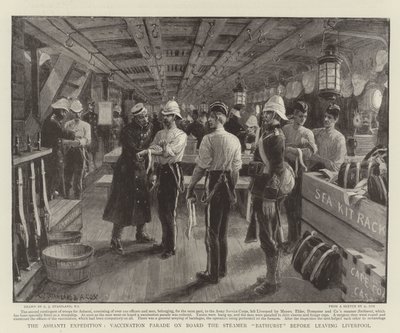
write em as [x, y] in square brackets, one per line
[69, 142]
[151, 161]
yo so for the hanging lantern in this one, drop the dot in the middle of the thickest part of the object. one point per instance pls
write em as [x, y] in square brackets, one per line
[239, 93]
[329, 73]
[203, 107]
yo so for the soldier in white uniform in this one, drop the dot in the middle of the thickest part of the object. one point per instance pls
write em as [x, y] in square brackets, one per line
[168, 147]
[76, 156]
[220, 158]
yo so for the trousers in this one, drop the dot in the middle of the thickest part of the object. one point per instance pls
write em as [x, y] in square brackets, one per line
[74, 171]
[217, 218]
[167, 196]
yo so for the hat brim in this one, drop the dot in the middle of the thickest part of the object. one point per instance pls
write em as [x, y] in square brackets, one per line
[166, 113]
[76, 111]
[279, 113]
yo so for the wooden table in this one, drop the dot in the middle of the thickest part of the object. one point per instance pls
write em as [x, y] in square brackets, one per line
[112, 157]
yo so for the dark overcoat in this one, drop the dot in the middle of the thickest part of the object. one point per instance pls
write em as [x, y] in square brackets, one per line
[129, 201]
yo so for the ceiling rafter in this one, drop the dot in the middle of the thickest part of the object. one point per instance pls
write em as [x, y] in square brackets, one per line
[249, 36]
[208, 30]
[81, 51]
[309, 31]
[137, 29]
[155, 36]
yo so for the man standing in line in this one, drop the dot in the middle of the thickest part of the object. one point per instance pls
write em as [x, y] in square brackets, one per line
[129, 202]
[196, 128]
[76, 156]
[52, 134]
[168, 147]
[330, 142]
[92, 118]
[299, 147]
[269, 188]
[219, 157]
[234, 126]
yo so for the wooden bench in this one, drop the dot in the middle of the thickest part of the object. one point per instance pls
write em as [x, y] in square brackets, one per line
[241, 190]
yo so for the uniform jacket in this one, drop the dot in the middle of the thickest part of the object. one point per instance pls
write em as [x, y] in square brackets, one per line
[129, 202]
[269, 185]
[92, 119]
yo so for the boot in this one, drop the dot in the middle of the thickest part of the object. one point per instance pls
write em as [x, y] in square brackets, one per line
[270, 285]
[116, 244]
[142, 236]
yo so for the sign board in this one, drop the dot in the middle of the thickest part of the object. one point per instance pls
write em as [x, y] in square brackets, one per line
[105, 113]
[365, 216]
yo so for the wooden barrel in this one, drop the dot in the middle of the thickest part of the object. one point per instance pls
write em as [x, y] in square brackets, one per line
[64, 237]
[68, 263]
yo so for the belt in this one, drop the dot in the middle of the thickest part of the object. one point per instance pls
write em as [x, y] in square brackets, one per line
[221, 183]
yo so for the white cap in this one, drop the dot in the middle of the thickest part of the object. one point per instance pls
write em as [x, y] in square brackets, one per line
[138, 109]
[117, 108]
[236, 113]
[76, 106]
[62, 103]
[252, 121]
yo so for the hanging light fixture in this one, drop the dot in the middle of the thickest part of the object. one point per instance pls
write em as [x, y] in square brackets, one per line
[69, 42]
[203, 107]
[329, 70]
[111, 77]
[239, 92]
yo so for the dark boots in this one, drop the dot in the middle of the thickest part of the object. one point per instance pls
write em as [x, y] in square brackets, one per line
[116, 239]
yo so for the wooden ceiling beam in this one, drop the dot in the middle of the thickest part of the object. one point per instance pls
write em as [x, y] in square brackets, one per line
[311, 30]
[205, 37]
[137, 30]
[54, 37]
[249, 36]
[154, 32]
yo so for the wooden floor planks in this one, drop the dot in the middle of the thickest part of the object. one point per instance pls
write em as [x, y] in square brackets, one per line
[141, 276]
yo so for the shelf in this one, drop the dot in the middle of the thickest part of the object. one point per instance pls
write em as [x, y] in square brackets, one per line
[26, 157]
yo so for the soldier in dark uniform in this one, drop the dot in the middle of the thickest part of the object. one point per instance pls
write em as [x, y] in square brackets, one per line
[219, 157]
[273, 181]
[129, 202]
[196, 128]
[92, 118]
[52, 134]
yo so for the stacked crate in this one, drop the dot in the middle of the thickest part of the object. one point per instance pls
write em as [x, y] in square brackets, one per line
[357, 228]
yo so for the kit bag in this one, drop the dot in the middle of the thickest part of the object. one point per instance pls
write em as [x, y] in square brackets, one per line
[378, 189]
[351, 173]
[316, 261]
